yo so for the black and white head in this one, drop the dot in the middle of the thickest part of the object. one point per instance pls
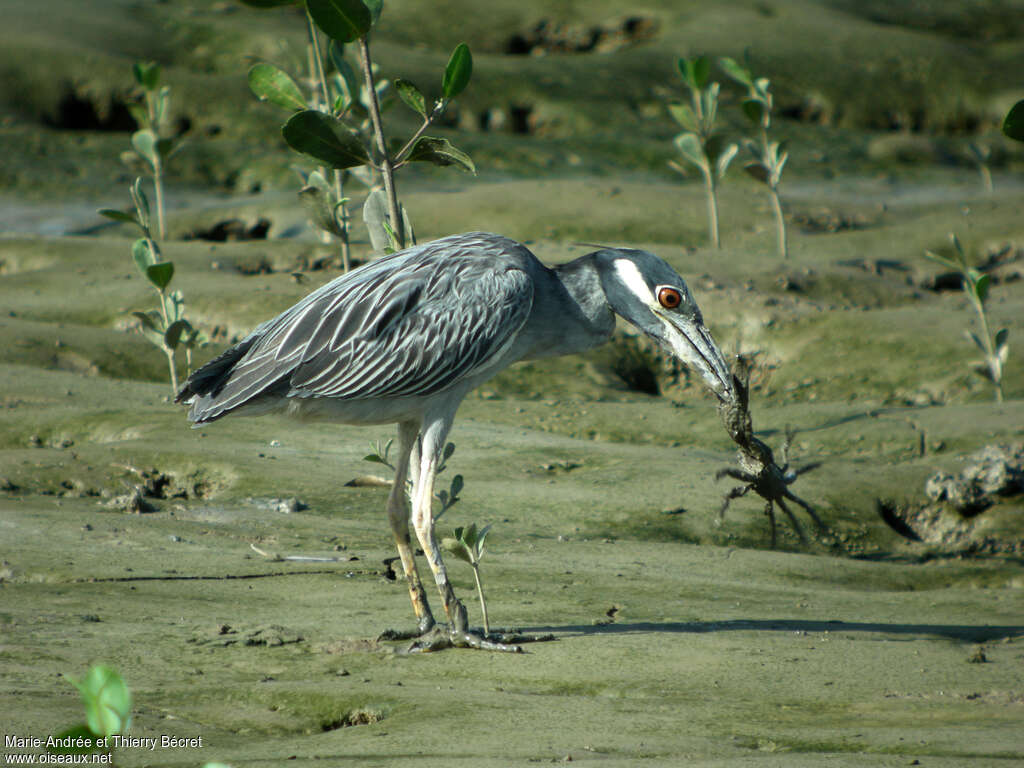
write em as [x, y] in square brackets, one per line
[649, 294]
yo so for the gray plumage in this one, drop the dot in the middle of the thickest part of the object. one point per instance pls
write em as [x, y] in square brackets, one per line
[405, 338]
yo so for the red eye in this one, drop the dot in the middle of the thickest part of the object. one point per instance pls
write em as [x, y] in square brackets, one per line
[669, 298]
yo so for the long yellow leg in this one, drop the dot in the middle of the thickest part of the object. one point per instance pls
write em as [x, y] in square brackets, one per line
[398, 516]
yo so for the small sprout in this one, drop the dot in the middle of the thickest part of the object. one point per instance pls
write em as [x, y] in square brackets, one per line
[380, 453]
[467, 544]
[108, 707]
[769, 156]
[699, 144]
[994, 349]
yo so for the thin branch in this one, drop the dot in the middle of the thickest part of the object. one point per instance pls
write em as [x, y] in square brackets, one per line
[386, 165]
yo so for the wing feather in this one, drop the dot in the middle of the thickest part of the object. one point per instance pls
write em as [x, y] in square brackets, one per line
[409, 324]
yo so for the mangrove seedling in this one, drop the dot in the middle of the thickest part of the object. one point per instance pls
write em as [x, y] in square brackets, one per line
[769, 156]
[108, 707]
[468, 544]
[994, 348]
[699, 144]
[344, 128]
[164, 327]
[154, 143]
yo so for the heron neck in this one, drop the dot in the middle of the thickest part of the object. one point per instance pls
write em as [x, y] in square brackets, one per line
[579, 317]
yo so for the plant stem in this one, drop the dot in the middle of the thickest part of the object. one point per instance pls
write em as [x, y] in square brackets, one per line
[317, 72]
[167, 350]
[480, 592]
[174, 373]
[990, 354]
[986, 178]
[158, 186]
[387, 168]
[780, 222]
[712, 210]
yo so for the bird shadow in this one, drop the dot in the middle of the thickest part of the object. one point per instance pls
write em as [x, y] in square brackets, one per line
[963, 632]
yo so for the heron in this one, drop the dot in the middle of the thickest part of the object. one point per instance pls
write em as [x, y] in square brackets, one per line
[403, 339]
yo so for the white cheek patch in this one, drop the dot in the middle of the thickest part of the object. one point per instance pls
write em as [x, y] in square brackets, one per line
[632, 279]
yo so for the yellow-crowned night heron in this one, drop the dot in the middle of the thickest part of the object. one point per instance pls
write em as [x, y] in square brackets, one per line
[403, 339]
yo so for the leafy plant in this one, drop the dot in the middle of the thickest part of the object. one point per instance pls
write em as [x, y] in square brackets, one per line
[165, 327]
[342, 128]
[769, 156]
[995, 349]
[154, 143]
[699, 143]
[468, 544]
[379, 455]
[108, 707]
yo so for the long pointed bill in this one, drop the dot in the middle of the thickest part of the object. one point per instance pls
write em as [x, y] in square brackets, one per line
[691, 342]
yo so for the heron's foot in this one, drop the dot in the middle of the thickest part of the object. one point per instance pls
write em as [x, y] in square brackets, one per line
[444, 636]
[426, 626]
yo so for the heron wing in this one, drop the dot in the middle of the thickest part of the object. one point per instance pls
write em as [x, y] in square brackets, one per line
[409, 324]
[419, 336]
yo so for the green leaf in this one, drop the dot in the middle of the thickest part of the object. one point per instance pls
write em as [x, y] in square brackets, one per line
[317, 202]
[724, 158]
[458, 72]
[957, 246]
[754, 110]
[977, 341]
[948, 263]
[1013, 125]
[160, 274]
[172, 336]
[468, 537]
[115, 215]
[736, 71]
[341, 20]
[374, 458]
[456, 547]
[268, 3]
[689, 146]
[324, 138]
[430, 149]
[75, 733]
[684, 115]
[375, 214]
[107, 700]
[142, 253]
[759, 172]
[375, 7]
[144, 142]
[336, 52]
[276, 86]
[480, 538]
[457, 485]
[411, 95]
[147, 74]
[700, 70]
[981, 287]
[150, 322]
[1002, 336]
